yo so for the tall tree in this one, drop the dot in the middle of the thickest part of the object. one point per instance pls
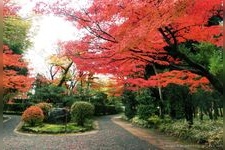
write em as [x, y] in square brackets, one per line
[15, 72]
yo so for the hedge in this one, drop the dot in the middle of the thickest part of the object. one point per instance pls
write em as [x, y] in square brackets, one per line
[16, 107]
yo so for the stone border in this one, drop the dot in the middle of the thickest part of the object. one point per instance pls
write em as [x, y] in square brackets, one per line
[94, 131]
[8, 118]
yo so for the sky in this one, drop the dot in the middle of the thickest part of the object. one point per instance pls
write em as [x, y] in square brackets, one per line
[46, 32]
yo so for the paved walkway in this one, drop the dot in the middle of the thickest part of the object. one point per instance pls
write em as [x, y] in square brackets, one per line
[113, 134]
[109, 137]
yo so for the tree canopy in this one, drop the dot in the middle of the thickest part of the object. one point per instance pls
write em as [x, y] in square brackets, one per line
[125, 36]
[15, 73]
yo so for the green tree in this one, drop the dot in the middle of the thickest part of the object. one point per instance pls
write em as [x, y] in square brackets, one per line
[15, 33]
[49, 93]
[147, 104]
[130, 103]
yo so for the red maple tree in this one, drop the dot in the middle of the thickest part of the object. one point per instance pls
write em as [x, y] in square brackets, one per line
[125, 36]
[14, 80]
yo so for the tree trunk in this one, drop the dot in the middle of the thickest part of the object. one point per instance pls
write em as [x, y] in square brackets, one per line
[188, 109]
[161, 108]
[64, 75]
[196, 67]
[215, 109]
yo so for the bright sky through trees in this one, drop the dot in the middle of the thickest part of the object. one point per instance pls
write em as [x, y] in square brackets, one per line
[46, 31]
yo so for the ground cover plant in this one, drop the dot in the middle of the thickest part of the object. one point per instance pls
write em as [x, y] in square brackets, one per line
[58, 128]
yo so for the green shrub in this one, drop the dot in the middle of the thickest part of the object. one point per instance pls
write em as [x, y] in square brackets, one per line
[154, 121]
[119, 107]
[45, 107]
[69, 100]
[16, 107]
[144, 111]
[80, 111]
[33, 116]
[140, 122]
[130, 103]
[203, 132]
[50, 93]
[99, 98]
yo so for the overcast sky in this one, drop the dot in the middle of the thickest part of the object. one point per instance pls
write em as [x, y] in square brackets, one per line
[48, 31]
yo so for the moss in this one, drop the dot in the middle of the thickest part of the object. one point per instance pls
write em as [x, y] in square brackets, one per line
[58, 128]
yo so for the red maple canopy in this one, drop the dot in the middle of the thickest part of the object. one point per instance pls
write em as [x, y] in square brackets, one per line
[125, 36]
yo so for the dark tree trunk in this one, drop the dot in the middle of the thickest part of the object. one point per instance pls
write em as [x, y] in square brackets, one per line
[194, 67]
[215, 109]
[221, 112]
[189, 110]
[201, 114]
[64, 75]
[210, 114]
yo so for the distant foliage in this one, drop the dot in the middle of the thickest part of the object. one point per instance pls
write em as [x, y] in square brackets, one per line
[130, 103]
[33, 116]
[50, 93]
[81, 111]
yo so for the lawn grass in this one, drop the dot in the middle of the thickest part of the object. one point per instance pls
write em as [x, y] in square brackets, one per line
[57, 128]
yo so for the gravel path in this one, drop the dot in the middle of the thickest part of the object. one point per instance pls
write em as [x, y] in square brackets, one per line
[109, 137]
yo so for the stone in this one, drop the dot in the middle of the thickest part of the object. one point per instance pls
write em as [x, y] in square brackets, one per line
[59, 116]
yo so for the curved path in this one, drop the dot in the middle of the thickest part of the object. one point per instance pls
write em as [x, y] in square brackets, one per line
[109, 137]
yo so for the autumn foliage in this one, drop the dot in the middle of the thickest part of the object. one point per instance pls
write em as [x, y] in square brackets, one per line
[12, 80]
[15, 74]
[33, 115]
[125, 36]
[45, 107]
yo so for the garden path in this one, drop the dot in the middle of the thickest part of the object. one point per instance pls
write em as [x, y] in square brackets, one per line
[110, 136]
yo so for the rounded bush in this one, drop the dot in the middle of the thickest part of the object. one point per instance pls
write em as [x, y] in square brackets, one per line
[45, 107]
[80, 111]
[33, 116]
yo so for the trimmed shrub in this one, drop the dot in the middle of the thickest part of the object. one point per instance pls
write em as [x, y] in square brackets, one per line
[33, 116]
[45, 107]
[16, 108]
[80, 111]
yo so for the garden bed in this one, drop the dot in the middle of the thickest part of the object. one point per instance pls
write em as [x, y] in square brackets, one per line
[207, 133]
[46, 128]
